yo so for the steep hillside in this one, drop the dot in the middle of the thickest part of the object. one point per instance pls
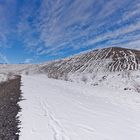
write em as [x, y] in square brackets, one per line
[102, 60]
[114, 67]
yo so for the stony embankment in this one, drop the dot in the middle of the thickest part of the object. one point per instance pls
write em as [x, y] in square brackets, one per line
[10, 95]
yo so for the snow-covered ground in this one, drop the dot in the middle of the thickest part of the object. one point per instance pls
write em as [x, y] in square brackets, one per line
[3, 77]
[129, 80]
[60, 110]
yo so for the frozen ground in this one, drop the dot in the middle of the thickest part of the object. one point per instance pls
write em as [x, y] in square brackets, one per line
[60, 110]
[3, 77]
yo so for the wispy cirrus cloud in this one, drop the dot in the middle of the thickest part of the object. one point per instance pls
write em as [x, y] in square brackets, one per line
[4, 58]
[75, 24]
[7, 21]
[65, 27]
[28, 60]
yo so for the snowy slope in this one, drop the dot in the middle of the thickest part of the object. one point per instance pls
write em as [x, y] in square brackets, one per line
[96, 61]
[19, 68]
[60, 110]
[112, 67]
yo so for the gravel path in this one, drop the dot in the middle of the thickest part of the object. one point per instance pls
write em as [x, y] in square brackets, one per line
[10, 95]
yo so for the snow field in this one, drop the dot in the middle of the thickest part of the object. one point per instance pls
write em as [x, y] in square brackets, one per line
[60, 110]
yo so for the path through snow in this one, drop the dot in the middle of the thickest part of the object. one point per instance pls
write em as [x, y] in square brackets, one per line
[60, 110]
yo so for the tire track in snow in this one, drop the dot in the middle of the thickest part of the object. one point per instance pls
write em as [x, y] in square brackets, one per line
[54, 124]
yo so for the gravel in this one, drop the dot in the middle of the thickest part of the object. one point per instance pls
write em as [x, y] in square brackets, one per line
[10, 95]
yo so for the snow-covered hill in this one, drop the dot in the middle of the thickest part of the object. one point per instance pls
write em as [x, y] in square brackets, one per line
[102, 60]
[101, 102]
[113, 67]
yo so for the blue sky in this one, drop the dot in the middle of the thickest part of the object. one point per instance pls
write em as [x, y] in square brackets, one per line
[33, 31]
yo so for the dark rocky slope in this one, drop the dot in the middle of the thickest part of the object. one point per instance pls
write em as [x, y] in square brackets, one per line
[101, 60]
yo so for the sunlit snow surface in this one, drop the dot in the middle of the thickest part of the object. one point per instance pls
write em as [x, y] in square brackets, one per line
[60, 110]
[3, 77]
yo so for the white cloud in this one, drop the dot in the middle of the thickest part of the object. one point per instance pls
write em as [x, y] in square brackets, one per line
[4, 58]
[119, 32]
[58, 23]
[7, 14]
[133, 44]
[28, 60]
